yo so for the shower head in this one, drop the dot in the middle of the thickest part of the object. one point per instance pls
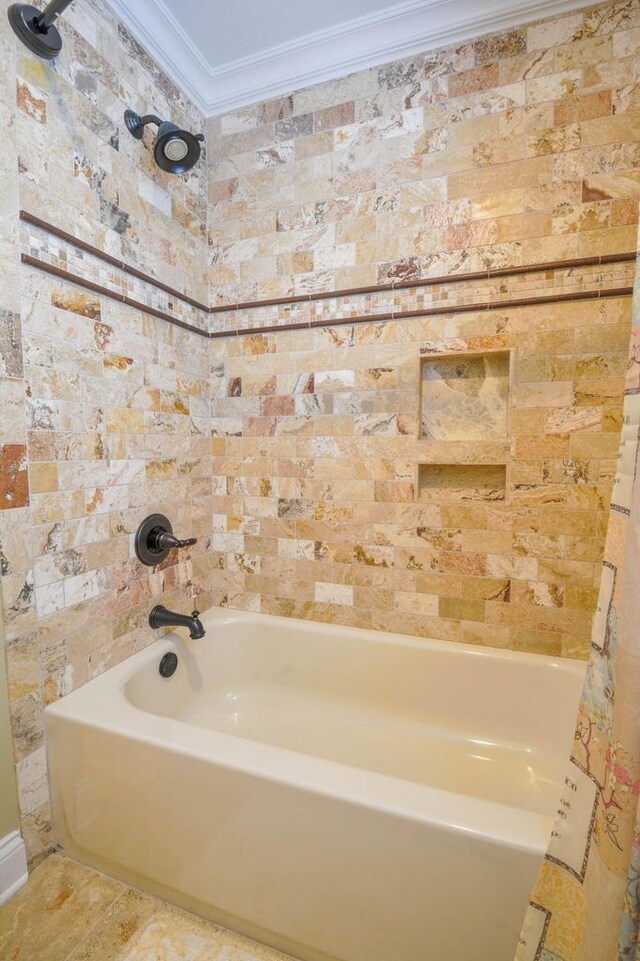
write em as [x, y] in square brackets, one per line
[36, 28]
[175, 150]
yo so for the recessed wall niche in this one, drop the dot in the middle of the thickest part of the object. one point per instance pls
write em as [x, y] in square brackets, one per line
[464, 432]
[462, 482]
[465, 396]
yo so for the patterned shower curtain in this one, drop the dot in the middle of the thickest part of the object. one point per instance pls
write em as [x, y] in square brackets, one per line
[586, 902]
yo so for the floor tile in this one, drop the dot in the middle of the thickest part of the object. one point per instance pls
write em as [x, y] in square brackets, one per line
[67, 912]
[141, 928]
[56, 909]
[111, 938]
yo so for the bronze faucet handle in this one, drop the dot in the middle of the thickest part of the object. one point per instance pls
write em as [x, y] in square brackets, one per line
[165, 540]
[155, 538]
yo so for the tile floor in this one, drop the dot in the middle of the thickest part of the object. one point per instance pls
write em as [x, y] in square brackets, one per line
[68, 912]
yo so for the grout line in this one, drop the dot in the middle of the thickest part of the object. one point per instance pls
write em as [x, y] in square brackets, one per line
[74, 951]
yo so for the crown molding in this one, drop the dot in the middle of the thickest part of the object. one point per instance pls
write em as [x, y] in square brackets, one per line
[403, 30]
[166, 40]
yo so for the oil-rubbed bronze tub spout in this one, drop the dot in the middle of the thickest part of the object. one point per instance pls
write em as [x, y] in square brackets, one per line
[160, 616]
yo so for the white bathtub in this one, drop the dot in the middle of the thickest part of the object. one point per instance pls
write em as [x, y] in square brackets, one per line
[336, 793]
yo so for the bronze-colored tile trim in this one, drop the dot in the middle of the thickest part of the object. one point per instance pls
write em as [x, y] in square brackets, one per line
[626, 257]
[431, 311]
[108, 259]
[106, 292]
[432, 281]
[337, 322]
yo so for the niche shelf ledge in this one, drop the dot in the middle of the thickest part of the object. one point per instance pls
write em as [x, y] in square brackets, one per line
[464, 452]
[462, 482]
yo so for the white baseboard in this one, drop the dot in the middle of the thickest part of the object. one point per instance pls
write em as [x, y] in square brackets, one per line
[13, 865]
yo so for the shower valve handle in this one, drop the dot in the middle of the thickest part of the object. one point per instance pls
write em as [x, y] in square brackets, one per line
[155, 538]
[162, 540]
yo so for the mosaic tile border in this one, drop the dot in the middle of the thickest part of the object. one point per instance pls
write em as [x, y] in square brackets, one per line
[46, 247]
[345, 317]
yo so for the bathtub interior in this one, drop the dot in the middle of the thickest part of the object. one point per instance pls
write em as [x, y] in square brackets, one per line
[482, 723]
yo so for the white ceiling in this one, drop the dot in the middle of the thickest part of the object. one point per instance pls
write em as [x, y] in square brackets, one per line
[223, 32]
[229, 55]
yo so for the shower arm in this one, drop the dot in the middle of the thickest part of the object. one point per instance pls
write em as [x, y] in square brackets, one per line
[50, 14]
[150, 118]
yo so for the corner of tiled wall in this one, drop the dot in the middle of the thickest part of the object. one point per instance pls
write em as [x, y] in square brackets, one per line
[105, 408]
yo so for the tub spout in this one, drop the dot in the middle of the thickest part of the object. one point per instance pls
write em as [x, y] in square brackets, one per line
[160, 616]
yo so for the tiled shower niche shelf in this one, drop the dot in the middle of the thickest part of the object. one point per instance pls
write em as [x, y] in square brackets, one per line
[464, 444]
[465, 396]
[462, 482]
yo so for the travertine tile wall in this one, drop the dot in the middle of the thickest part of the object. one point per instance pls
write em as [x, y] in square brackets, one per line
[509, 150]
[319, 511]
[518, 148]
[105, 410]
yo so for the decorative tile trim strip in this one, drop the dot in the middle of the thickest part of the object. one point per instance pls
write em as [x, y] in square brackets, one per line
[106, 292]
[78, 262]
[431, 311]
[431, 281]
[57, 252]
[514, 287]
[107, 258]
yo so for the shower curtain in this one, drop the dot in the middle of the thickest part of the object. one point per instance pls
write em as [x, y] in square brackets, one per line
[586, 902]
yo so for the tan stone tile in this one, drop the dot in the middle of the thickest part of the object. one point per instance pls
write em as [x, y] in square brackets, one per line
[582, 53]
[128, 927]
[554, 31]
[486, 588]
[581, 573]
[581, 548]
[43, 477]
[582, 523]
[37, 834]
[594, 445]
[31, 101]
[536, 641]
[549, 445]
[523, 225]
[545, 394]
[463, 563]
[508, 566]
[464, 516]
[578, 647]
[539, 618]
[414, 603]
[468, 609]
[61, 903]
[23, 666]
[533, 592]
[528, 421]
